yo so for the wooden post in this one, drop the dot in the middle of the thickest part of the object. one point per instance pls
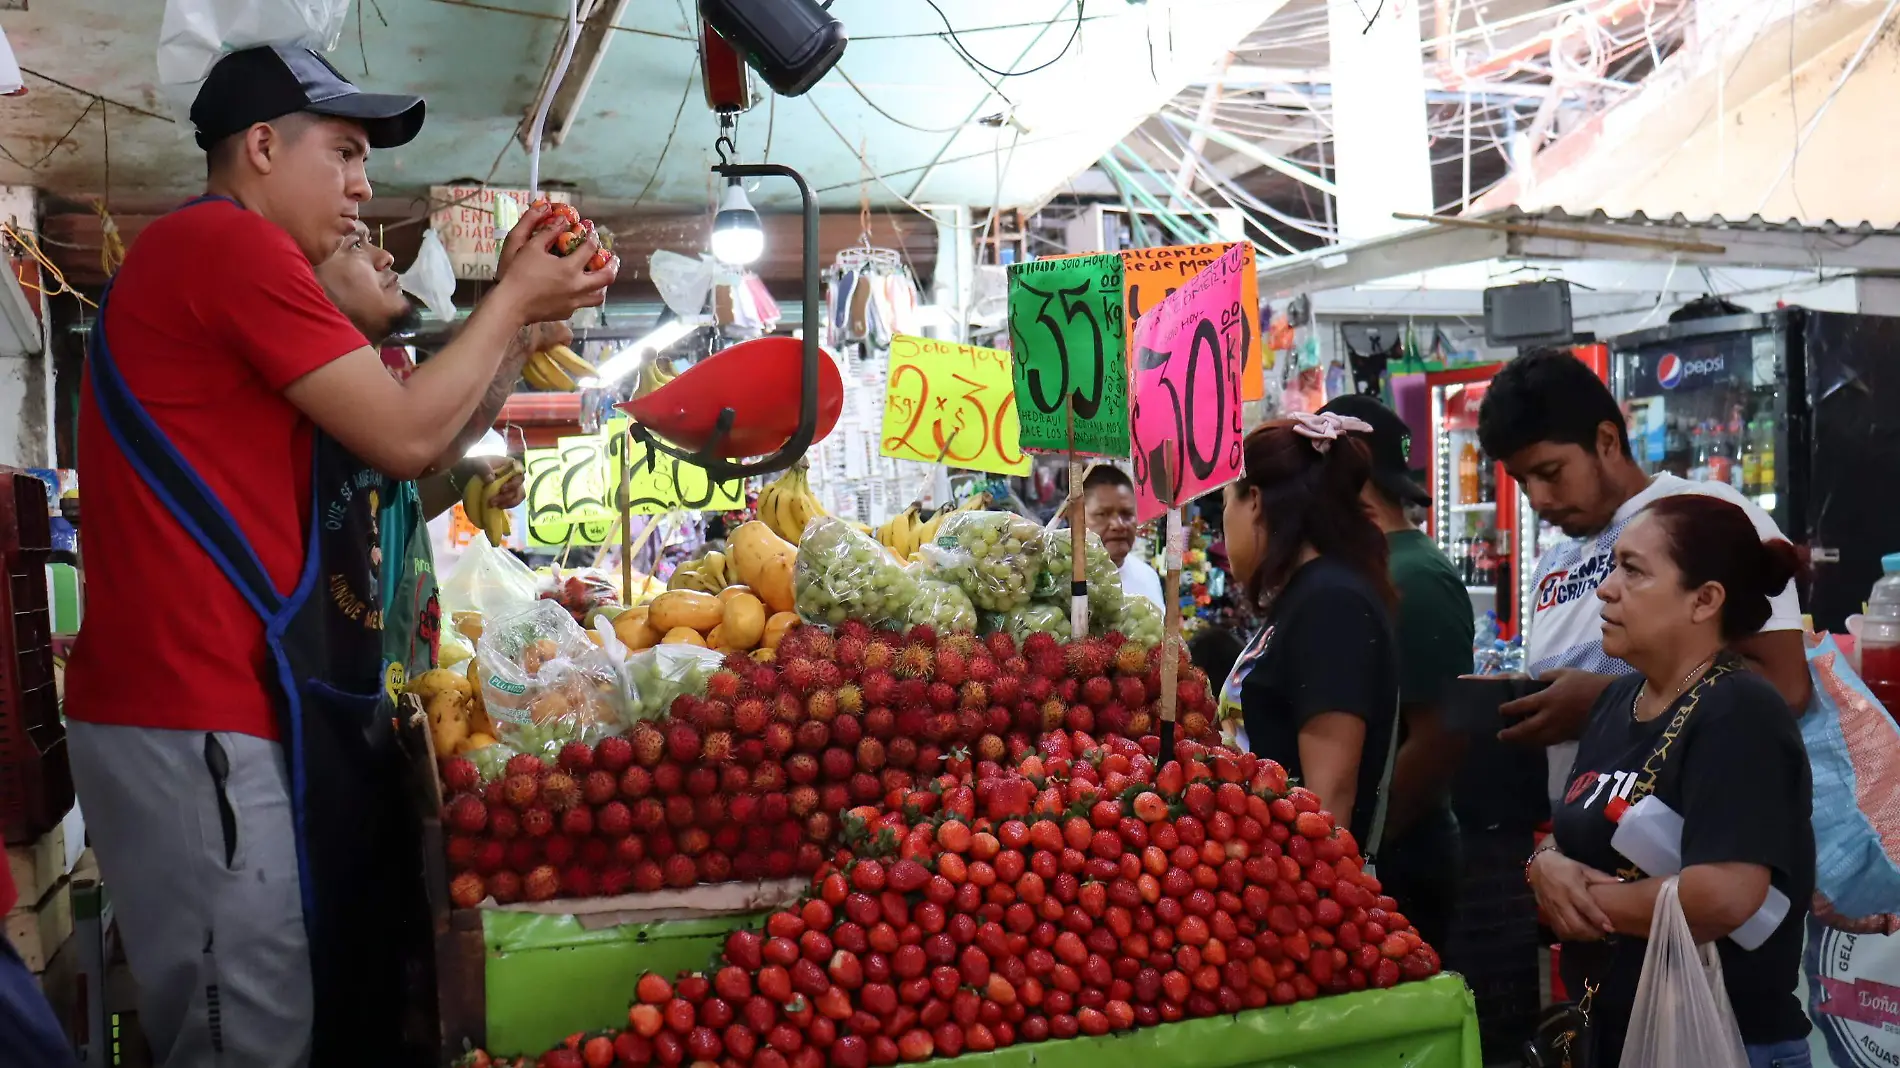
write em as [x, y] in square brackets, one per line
[626, 520]
[1166, 486]
[1078, 540]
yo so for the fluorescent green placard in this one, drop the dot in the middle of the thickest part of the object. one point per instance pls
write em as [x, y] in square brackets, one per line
[574, 489]
[661, 483]
[1069, 345]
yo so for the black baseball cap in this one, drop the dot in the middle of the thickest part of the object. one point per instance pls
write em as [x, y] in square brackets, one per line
[1391, 444]
[260, 84]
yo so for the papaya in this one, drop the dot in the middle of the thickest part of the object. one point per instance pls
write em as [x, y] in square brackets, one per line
[744, 623]
[765, 563]
[684, 608]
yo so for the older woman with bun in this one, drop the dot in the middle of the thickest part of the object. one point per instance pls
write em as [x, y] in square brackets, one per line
[1317, 688]
[1714, 741]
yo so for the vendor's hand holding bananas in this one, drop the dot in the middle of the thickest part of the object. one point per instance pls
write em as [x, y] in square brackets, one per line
[708, 574]
[787, 503]
[557, 369]
[484, 502]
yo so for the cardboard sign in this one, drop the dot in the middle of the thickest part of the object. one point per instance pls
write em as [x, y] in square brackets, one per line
[463, 216]
[1187, 382]
[1069, 341]
[1151, 274]
[573, 490]
[954, 401]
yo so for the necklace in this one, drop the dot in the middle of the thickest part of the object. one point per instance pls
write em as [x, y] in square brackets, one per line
[1636, 702]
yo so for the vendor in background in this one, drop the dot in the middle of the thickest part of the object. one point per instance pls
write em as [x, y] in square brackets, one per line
[1419, 858]
[360, 279]
[1108, 506]
[1560, 433]
[1695, 726]
[224, 694]
[1317, 688]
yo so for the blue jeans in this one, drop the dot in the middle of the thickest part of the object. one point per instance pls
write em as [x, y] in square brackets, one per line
[1792, 1054]
[29, 1032]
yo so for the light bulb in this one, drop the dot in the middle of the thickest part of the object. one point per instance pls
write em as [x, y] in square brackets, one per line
[737, 236]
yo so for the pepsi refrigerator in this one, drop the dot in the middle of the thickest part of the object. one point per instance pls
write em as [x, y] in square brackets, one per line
[1798, 410]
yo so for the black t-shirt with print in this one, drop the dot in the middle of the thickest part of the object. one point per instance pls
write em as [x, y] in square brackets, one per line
[1737, 773]
[1328, 648]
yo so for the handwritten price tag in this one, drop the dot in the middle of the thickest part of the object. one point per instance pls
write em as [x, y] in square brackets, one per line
[573, 489]
[955, 401]
[1068, 339]
[1187, 382]
[1151, 274]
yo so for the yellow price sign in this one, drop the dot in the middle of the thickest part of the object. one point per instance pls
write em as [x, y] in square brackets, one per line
[573, 489]
[952, 403]
[658, 483]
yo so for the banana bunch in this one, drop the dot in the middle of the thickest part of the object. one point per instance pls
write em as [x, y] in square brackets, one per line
[911, 530]
[708, 574]
[787, 503]
[652, 376]
[556, 369]
[478, 501]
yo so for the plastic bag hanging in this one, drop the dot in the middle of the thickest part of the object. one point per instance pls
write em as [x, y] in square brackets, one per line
[195, 33]
[431, 278]
[683, 281]
[1682, 1014]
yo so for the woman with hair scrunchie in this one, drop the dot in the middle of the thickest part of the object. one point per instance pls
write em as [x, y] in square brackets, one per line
[1714, 741]
[1317, 688]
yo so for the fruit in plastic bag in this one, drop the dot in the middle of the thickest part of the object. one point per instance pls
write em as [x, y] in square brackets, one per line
[996, 557]
[1140, 621]
[544, 683]
[1105, 580]
[843, 574]
[655, 677]
[1037, 616]
[942, 605]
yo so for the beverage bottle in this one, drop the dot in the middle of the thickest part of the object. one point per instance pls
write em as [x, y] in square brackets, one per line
[1721, 455]
[1767, 447]
[1675, 448]
[1468, 474]
[1738, 450]
[1751, 459]
[1879, 642]
[1699, 453]
[1486, 573]
[1649, 835]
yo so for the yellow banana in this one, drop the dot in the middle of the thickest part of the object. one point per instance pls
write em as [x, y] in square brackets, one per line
[536, 376]
[472, 500]
[554, 372]
[569, 361]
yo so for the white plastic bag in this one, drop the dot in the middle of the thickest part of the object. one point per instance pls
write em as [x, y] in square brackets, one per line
[683, 281]
[1682, 1014]
[195, 33]
[488, 580]
[431, 278]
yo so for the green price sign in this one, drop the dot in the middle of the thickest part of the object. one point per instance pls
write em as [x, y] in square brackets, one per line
[1068, 347]
[574, 489]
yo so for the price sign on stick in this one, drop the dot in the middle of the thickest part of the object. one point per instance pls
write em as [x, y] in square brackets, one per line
[1187, 383]
[952, 404]
[1151, 275]
[575, 490]
[1069, 344]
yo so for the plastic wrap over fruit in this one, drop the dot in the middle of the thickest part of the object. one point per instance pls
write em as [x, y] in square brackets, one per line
[654, 677]
[996, 557]
[544, 681]
[942, 605]
[1139, 621]
[842, 573]
[1044, 616]
[1105, 580]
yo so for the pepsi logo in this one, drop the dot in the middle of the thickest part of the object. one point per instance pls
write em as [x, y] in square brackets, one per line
[1669, 371]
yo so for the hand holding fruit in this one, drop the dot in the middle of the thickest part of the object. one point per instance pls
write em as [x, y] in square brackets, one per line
[510, 490]
[542, 283]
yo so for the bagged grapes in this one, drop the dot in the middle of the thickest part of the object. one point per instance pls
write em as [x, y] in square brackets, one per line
[842, 573]
[1140, 621]
[1105, 580]
[942, 605]
[996, 557]
[1035, 616]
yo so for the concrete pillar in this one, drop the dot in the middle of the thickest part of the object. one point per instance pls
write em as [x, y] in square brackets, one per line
[1379, 134]
[26, 378]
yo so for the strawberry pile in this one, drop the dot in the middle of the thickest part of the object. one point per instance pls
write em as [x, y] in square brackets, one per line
[747, 780]
[1076, 891]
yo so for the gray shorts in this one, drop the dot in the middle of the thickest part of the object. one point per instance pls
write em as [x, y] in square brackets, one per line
[193, 834]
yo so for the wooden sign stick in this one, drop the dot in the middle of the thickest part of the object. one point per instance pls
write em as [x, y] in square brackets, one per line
[1166, 487]
[1078, 540]
[626, 521]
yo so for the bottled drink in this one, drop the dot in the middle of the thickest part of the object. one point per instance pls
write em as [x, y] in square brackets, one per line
[1879, 642]
[1738, 451]
[1721, 455]
[1649, 835]
[1699, 453]
[1675, 447]
[1751, 459]
[1484, 571]
[1766, 446]
[1468, 474]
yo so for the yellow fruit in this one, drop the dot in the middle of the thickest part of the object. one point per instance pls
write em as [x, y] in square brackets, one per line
[470, 624]
[745, 620]
[683, 636]
[478, 740]
[765, 656]
[439, 680]
[449, 735]
[684, 608]
[730, 592]
[634, 632]
[716, 638]
[776, 627]
[765, 563]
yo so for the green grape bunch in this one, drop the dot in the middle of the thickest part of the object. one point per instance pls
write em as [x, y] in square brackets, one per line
[1140, 621]
[1036, 616]
[1104, 578]
[996, 557]
[942, 605]
[843, 574]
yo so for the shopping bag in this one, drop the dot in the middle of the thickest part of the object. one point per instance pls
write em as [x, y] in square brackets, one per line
[195, 33]
[1682, 1014]
[1854, 754]
[490, 581]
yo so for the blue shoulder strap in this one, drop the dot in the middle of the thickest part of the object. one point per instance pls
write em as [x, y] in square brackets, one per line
[165, 471]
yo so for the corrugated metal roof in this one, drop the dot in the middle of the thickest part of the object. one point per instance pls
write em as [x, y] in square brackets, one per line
[1683, 222]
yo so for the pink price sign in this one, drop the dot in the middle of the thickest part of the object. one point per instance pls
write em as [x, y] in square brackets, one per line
[1188, 352]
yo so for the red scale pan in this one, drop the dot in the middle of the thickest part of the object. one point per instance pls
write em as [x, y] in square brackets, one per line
[759, 381]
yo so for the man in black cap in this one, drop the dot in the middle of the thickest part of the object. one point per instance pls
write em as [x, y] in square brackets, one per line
[230, 734]
[1418, 860]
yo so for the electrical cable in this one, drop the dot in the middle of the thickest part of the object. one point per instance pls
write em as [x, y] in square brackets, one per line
[547, 97]
[957, 43]
[906, 125]
[667, 145]
[1310, 227]
[879, 176]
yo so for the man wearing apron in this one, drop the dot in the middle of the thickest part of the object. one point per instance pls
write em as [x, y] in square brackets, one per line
[224, 696]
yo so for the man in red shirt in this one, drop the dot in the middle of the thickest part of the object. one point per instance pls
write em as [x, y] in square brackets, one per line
[220, 692]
